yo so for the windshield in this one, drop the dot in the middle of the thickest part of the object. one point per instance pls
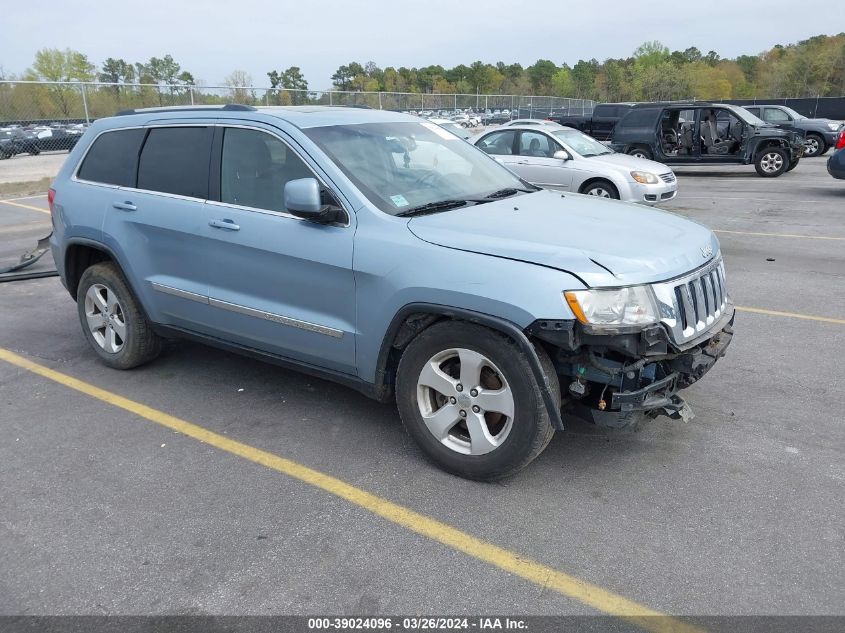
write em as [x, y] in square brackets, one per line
[5, 134]
[401, 166]
[456, 129]
[747, 117]
[580, 143]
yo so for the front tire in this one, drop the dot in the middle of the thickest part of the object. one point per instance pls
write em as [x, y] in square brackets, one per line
[793, 164]
[771, 162]
[112, 320]
[815, 146]
[492, 426]
[601, 189]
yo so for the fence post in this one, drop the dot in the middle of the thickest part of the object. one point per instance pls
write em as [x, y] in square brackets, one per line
[191, 90]
[379, 101]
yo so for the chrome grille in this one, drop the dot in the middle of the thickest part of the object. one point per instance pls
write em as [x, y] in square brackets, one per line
[691, 304]
[670, 177]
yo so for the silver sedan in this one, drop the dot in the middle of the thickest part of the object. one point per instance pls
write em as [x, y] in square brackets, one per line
[566, 159]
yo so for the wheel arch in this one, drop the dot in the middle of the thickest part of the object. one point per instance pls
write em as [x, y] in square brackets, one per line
[414, 318]
[595, 179]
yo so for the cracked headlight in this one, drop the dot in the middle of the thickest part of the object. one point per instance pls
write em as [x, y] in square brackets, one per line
[634, 305]
[644, 178]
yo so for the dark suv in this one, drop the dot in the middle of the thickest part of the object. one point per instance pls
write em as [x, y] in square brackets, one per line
[707, 134]
[821, 133]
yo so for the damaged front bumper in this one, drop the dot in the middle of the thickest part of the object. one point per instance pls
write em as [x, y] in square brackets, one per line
[617, 380]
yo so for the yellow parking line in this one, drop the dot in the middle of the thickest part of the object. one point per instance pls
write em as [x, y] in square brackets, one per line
[806, 237]
[25, 206]
[792, 315]
[532, 571]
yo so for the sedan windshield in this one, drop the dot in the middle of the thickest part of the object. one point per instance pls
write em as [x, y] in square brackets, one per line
[404, 166]
[580, 143]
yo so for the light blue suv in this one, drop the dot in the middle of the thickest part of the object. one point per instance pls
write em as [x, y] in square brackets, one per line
[385, 253]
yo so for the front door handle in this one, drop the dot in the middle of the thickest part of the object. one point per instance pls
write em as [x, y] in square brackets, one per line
[226, 224]
[124, 206]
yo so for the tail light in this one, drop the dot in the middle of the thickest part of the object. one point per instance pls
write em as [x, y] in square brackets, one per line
[840, 143]
[51, 198]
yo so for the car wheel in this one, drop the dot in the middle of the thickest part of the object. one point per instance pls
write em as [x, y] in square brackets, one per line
[771, 162]
[468, 397]
[112, 320]
[601, 189]
[4, 156]
[640, 152]
[815, 146]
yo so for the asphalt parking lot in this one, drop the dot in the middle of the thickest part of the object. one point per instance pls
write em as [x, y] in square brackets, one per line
[105, 508]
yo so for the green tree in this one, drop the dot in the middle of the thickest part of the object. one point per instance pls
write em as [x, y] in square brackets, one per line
[52, 64]
[540, 75]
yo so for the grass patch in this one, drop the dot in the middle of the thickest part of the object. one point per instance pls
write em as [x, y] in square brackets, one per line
[28, 188]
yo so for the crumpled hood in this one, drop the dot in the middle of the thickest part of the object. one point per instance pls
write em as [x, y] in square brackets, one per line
[604, 242]
[629, 163]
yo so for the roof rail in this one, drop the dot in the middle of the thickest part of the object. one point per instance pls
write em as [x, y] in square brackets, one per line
[229, 107]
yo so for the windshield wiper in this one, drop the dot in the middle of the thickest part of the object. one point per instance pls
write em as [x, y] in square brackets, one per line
[504, 193]
[431, 207]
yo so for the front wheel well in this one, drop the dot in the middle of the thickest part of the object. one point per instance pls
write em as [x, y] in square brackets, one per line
[591, 181]
[78, 258]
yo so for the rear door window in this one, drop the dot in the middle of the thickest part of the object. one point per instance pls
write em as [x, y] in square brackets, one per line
[176, 160]
[113, 158]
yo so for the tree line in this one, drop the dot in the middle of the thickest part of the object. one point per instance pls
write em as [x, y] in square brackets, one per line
[812, 67]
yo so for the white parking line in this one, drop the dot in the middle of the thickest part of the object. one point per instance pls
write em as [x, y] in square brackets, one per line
[40, 195]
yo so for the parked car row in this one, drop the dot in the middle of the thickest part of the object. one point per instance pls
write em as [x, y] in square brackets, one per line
[33, 140]
[771, 137]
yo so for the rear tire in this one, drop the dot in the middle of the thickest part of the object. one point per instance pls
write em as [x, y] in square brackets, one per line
[112, 320]
[771, 162]
[640, 152]
[486, 436]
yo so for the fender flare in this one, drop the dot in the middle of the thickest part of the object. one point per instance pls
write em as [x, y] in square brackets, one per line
[494, 323]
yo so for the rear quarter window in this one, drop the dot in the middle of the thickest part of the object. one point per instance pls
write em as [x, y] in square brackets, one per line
[113, 158]
[638, 118]
[176, 160]
[605, 111]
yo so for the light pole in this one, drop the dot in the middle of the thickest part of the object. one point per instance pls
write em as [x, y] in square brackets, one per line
[84, 99]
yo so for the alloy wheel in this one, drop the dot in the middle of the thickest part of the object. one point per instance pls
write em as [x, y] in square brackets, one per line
[465, 401]
[812, 146]
[105, 318]
[771, 162]
[601, 192]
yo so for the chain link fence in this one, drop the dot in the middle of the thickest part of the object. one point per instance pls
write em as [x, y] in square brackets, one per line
[37, 102]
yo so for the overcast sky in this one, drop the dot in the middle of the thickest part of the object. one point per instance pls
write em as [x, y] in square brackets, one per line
[213, 37]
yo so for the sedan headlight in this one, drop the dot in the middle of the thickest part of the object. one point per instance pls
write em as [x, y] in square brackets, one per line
[634, 305]
[644, 178]
[833, 126]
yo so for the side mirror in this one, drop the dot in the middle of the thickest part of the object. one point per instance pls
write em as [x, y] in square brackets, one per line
[561, 155]
[302, 199]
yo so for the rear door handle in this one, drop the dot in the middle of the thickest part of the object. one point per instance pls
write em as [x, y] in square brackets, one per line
[226, 224]
[124, 206]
